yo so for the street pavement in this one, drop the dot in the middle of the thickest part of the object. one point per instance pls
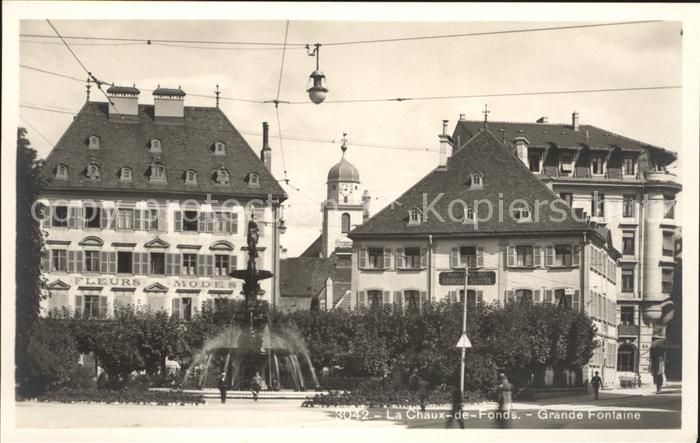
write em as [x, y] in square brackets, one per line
[637, 409]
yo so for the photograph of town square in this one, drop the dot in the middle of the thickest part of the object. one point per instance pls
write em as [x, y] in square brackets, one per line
[351, 224]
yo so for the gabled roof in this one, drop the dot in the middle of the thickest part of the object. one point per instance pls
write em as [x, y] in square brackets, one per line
[563, 135]
[314, 249]
[185, 145]
[304, 276]
[506, 179]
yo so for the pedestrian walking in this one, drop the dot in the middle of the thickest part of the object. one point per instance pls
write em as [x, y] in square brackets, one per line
[597, 383]
[222, 387]
[456, 413]
[505, 398]
[255, 384]
[423, 392]
[659, 381]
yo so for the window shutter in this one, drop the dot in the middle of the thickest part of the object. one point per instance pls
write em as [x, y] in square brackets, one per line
[452, 296]
[536, 296]
[71, 261]
[548, 296]
[79, 217]
[177, 260]
[72, 217]
[511, 256]
[210, 221]
[78, 261]
[233, 262]
[46, 213]
[537, 253]
[136, 263]
[387, 297]
[576, 255]
[103, 306]
[509, 296]
[423, 257]
[201, 265]
[233, 226]
[45, 260]
[161, 224]
[104, 262]
[176, 308]
[209, 270]
[479, 257]
[399, 259]
[178, 221]
[138, 219]
[168, 264]
[201, 222]
[549, 257]
[423, 298]
[387, 258]
[362, 258]
[361, 298]
[103, 218]
[397, 298]
[78, 306]
[454, 258]
[112, 262]
[144, 263]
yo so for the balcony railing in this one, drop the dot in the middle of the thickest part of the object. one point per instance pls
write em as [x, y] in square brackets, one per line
[627, 330]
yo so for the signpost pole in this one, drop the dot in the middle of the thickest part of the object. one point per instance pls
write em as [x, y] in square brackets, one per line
[464, 328]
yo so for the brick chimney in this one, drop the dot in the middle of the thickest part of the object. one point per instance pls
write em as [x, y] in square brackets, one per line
[266, 152]
[123, 102]
[574, 121]
[169, 104]
[521, 149]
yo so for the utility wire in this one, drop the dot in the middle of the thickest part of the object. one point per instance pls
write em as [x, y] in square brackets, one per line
[41, 108]
[97, 82]
[277, 101]
[35, 130]
[356, 42]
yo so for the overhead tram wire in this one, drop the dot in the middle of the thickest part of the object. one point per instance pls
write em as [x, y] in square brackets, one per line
[51, 144]
[356, 42]
[277, 102]
[97, 82]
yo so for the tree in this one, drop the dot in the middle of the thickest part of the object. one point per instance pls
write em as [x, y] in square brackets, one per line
[29, 245]
[52, 357]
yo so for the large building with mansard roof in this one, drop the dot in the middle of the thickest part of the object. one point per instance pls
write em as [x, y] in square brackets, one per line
[147, 204]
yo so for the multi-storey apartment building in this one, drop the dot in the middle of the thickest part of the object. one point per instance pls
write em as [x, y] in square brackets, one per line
[148, 205]
[623, 185]
[482, 209]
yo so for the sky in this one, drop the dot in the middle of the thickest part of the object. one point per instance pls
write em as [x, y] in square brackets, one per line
[637, 55]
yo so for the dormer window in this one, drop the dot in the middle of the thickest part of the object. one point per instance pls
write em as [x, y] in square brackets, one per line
[93, 171]
[61, 171]
[477, 180]
[93, 142]
[522, 214]
[597, 165]
[253, 179]
[222, 177]
[535, 161]
[469, 215]
[219, 148]
[125, 174]
[566, 163]
[158, 172]
[190, 177]
[156, 145]
[415, 216]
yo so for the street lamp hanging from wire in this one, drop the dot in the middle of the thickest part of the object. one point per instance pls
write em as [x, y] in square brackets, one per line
[317, 81]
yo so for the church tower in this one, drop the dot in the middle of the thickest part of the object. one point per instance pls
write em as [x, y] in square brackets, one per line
[343, 208]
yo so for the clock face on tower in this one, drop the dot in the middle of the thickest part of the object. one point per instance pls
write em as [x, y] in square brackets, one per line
[345, 188]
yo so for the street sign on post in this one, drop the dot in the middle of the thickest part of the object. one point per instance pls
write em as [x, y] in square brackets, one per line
[464, 342]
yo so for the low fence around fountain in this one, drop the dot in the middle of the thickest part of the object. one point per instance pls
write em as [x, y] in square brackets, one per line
[282, 394]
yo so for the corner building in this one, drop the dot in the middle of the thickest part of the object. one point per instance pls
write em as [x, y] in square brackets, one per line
[532, 246]
[148, 205]
[623, 185]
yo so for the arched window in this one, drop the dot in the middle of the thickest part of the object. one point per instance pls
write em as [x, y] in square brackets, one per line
[469, 214]
[94, 142]
[125, 174]
[222, 177]
[191, 177]
[626, 356]
[93, 171]
[156, 145]
[219, 148]
[477, 180]
[345, 223]
[61, 171]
